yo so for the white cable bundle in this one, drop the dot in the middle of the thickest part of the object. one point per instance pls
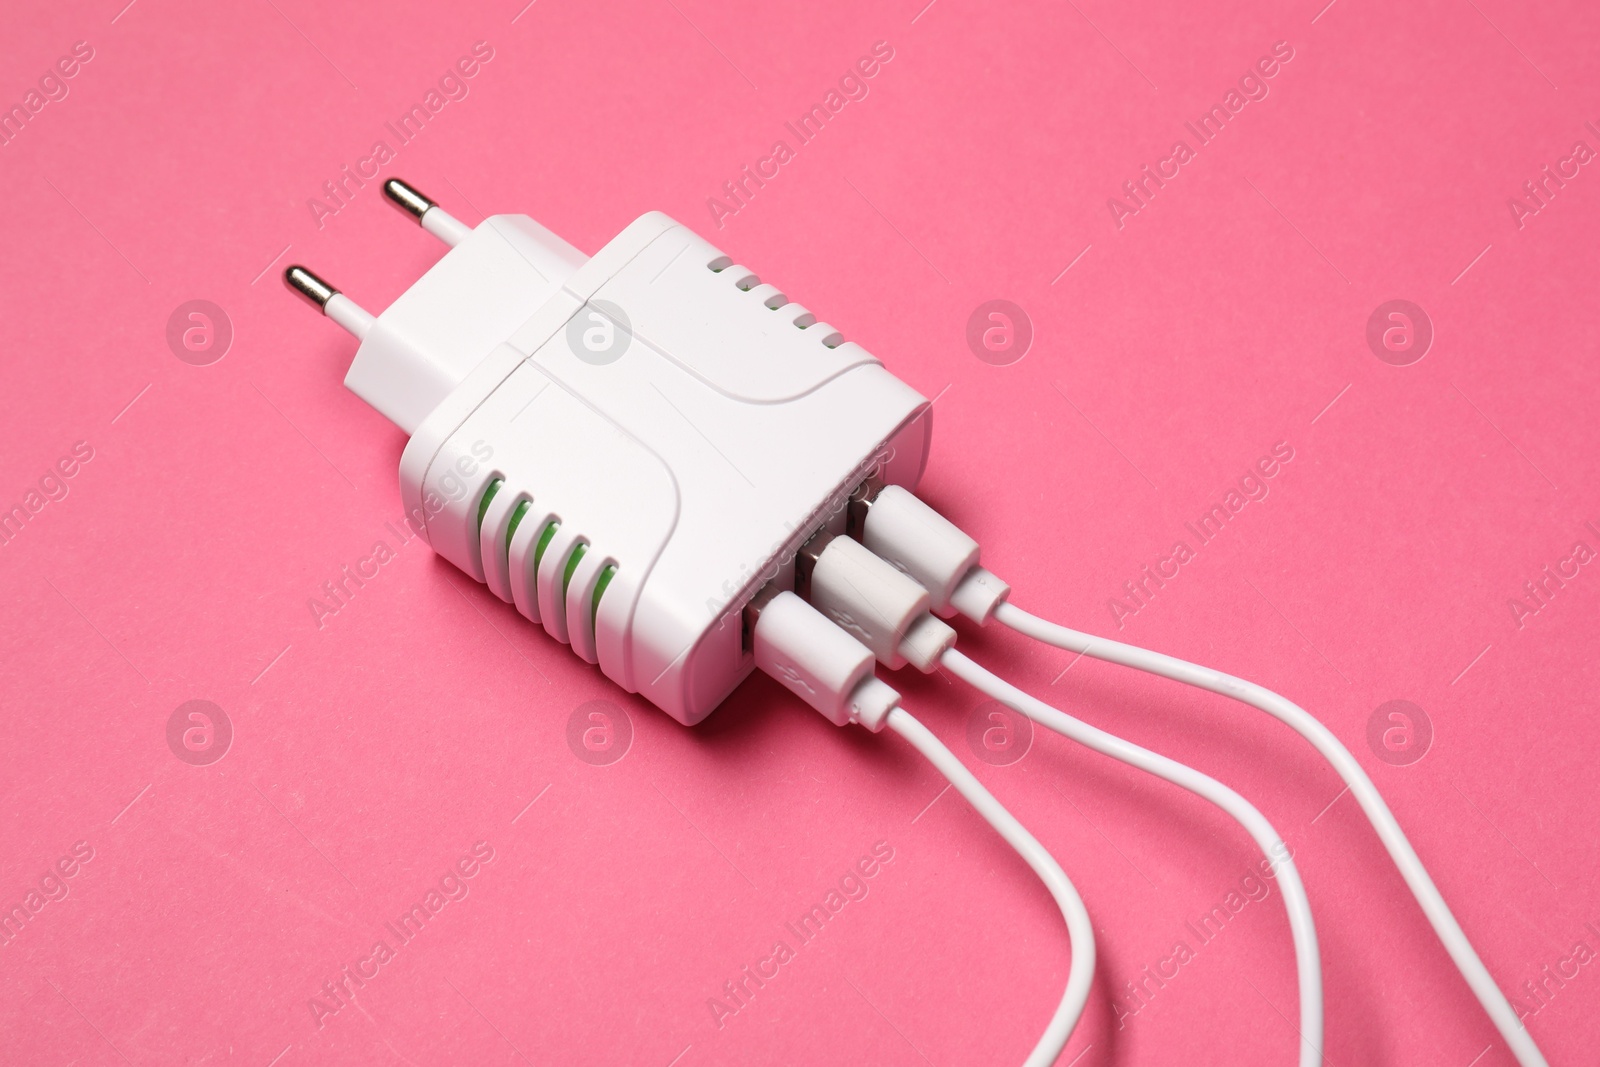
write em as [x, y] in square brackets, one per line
[897, 514]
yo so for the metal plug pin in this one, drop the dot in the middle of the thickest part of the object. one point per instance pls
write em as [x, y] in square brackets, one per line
[433, 218]
[328, 300]
[316, 292]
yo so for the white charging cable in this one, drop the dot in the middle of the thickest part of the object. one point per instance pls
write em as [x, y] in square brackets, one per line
[832, 671]
[1361, 787]
[888, 610]
[1308, 960]
[918, 540]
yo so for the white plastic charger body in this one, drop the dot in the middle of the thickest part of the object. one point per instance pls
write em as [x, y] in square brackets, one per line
[647, 435]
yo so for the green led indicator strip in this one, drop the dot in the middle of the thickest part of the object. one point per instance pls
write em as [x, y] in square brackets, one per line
[516, 517]
[543, 543]
[606, 574]
[547, 535]
[488, 495]
[572, 565]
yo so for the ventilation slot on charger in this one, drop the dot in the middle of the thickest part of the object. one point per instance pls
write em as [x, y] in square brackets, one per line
[488, 495]
[543, 543]
[572, 566]
[483, 509]
[568, 569]
[607, 572]
[516, 517]
[747, 281]
[504, 548]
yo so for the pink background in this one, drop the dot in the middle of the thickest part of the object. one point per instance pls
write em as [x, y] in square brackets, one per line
[1225, 316]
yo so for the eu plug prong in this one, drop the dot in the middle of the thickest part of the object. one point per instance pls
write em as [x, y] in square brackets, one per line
[433, 218]
[328, 300]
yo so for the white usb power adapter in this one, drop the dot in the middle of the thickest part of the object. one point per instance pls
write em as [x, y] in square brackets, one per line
[644, 449]
[626, 447]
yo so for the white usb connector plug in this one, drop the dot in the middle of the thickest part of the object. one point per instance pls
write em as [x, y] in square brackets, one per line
[820, 663]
